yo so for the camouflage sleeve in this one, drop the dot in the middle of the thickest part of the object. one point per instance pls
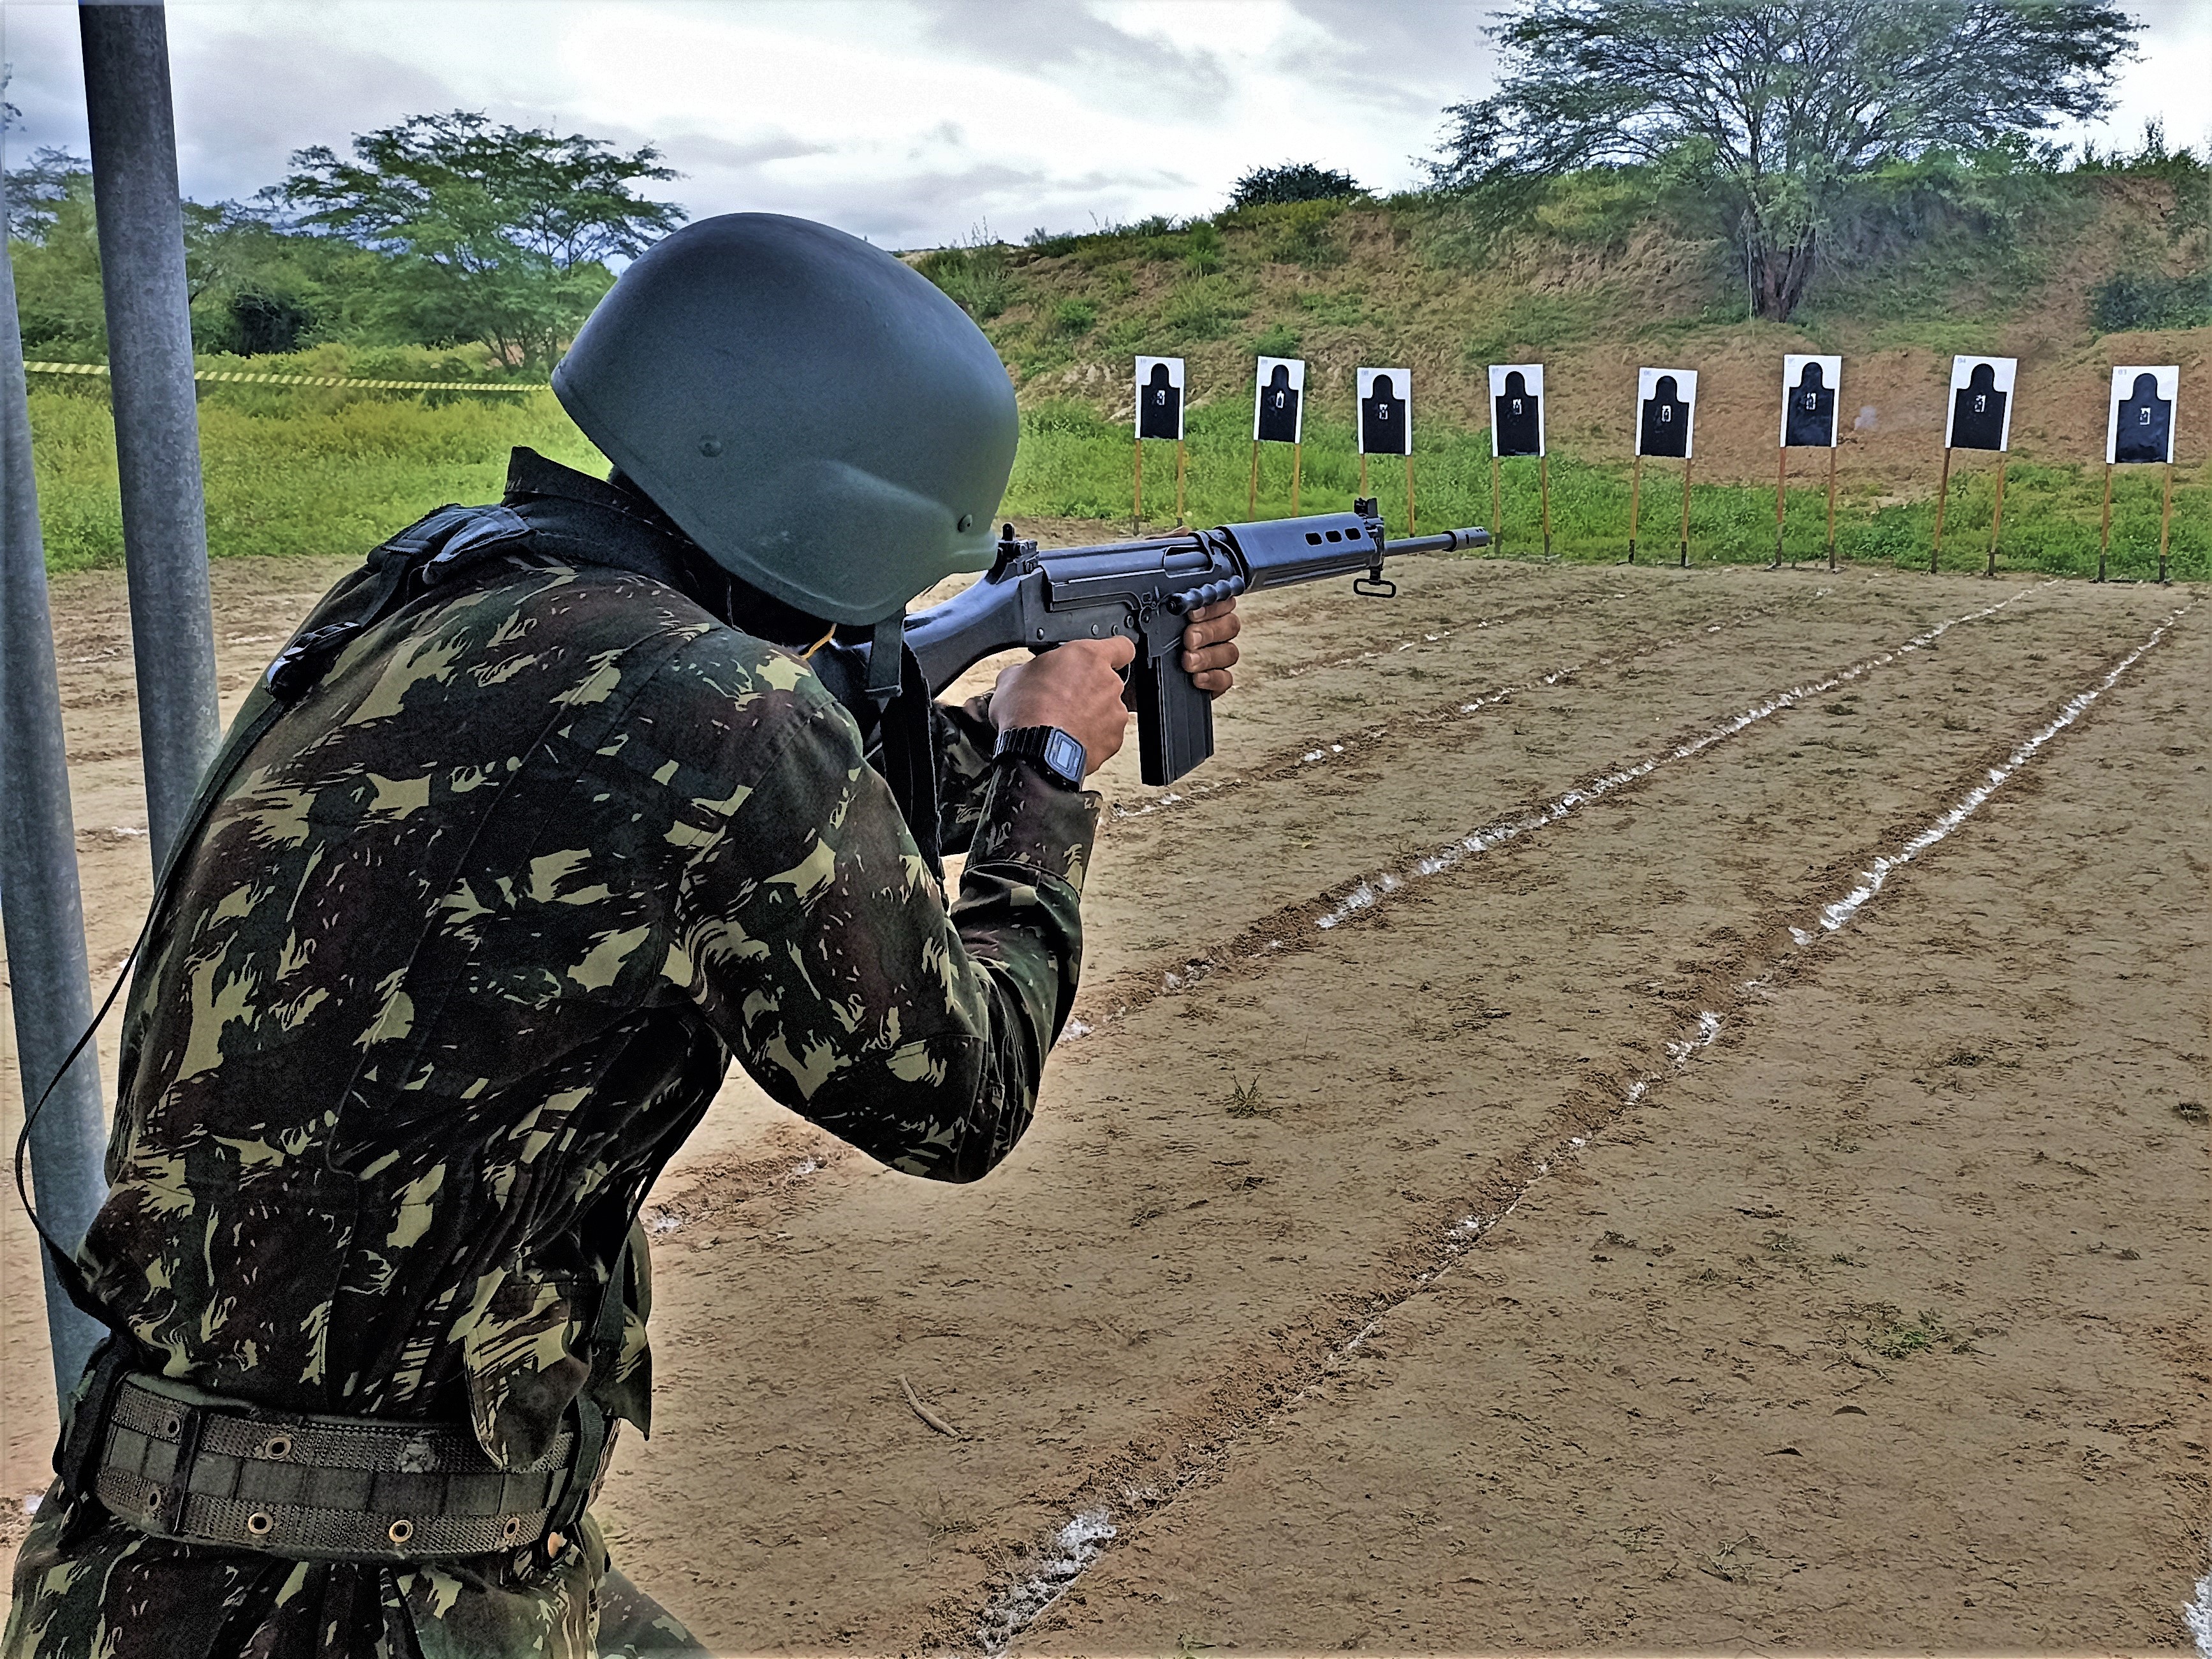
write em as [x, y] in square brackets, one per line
[816, 941]
[964, 736]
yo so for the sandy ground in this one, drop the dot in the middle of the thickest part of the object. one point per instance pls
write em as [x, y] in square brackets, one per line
[1467, 1213]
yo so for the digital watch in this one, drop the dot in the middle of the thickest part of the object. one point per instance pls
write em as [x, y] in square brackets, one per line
[1051, 750]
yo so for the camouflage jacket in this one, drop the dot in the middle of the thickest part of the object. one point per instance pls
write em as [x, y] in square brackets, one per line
[461, 956]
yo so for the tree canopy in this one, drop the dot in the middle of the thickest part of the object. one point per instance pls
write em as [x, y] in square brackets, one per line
[503, 232]
[1775, 105]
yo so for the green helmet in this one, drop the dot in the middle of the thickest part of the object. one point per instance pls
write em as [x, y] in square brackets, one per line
[814, 413]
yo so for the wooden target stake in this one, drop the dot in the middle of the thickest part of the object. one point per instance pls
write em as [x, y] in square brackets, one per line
[1252, 496]
[1411, 523]
[1297, 459]
[1832, 506]
[1942, 495]
[1996, 516]
[2105, 533]
[1363, 472]
[1137, 492]
[1544, 487]
[2164, 522]
[1781, 483]
[1635, 490]
[1497, 528]
[1182, 460]
[1687, 462]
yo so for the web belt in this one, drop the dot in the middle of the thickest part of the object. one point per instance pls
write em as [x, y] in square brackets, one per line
[182, 1464]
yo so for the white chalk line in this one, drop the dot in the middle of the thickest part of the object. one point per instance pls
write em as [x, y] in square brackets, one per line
[1871, 879]
[1465, 1234]
[1372, 890]
[1330, 751]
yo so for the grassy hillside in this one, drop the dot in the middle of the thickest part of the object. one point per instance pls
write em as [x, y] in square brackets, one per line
[1601, 285]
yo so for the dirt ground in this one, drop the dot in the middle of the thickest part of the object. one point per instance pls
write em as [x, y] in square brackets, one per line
[1510, 1183]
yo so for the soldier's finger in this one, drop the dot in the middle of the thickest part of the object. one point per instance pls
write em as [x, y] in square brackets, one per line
[1213, 656]
[1220, 607]
[1211, 627]
[1214, 681]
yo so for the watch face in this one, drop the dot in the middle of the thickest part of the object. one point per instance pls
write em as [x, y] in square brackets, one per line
[1065, 756]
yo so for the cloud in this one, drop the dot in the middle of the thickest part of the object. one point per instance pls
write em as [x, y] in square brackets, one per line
[1073, 37]
[691, 151]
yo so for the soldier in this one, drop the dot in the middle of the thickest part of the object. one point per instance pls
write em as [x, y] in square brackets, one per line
[544, 816]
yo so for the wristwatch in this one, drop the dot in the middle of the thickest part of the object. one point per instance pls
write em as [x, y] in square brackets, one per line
[1059, 756]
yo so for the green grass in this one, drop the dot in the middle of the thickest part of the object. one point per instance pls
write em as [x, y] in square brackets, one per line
[1073, 463]
[304, 471]
[294, 470]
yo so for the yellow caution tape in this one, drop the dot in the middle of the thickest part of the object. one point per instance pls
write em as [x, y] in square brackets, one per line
[300, 380]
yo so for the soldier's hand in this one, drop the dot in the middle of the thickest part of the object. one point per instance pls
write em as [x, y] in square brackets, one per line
[1077, 687]
[1209, 647]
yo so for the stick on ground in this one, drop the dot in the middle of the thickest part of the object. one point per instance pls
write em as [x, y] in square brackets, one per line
[924, 1413]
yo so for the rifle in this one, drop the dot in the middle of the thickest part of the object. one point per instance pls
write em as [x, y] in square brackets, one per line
[1142, 591]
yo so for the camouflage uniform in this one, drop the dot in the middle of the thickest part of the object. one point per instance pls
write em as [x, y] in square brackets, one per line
[460, 959]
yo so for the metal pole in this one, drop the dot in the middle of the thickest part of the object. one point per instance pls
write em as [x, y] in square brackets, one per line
[157, 440]
[40, 904]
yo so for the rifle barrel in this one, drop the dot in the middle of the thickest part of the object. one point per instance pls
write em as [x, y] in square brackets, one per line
[1445, 541]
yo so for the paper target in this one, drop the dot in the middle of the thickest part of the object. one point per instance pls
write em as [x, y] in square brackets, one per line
[1981, 403]
[2140, 428]
[1809, 388]
[1159, 397]
[1386, 412]
[1517, 409]
[1666, 407]
[1278, 405]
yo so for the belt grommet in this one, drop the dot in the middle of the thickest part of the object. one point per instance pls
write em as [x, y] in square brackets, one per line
[276, 1448]
[260, 1523]
[510, 1530]
[400, 1530]
[153, 1501]
[172, 1427]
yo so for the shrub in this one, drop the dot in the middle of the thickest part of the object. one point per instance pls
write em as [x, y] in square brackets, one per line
[1276, 340]
[1305, 235]
[974, 278]
[1292, 181]
[1202, 249]
[1073, 316]
[1200, 309]
[2130, 300]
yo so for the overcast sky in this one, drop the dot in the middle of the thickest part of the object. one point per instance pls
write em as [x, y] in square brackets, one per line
[914, 122]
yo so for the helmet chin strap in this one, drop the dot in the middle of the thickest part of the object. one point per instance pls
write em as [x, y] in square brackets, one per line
[885, 656]
[828, 634]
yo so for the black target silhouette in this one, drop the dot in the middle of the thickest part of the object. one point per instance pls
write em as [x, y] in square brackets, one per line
[1977, 411]
[1159, 406]
[1518, 417]
[1383, 430]
[1812, 421]
[2145, 432]
[1665, 427]
[1279, 408]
